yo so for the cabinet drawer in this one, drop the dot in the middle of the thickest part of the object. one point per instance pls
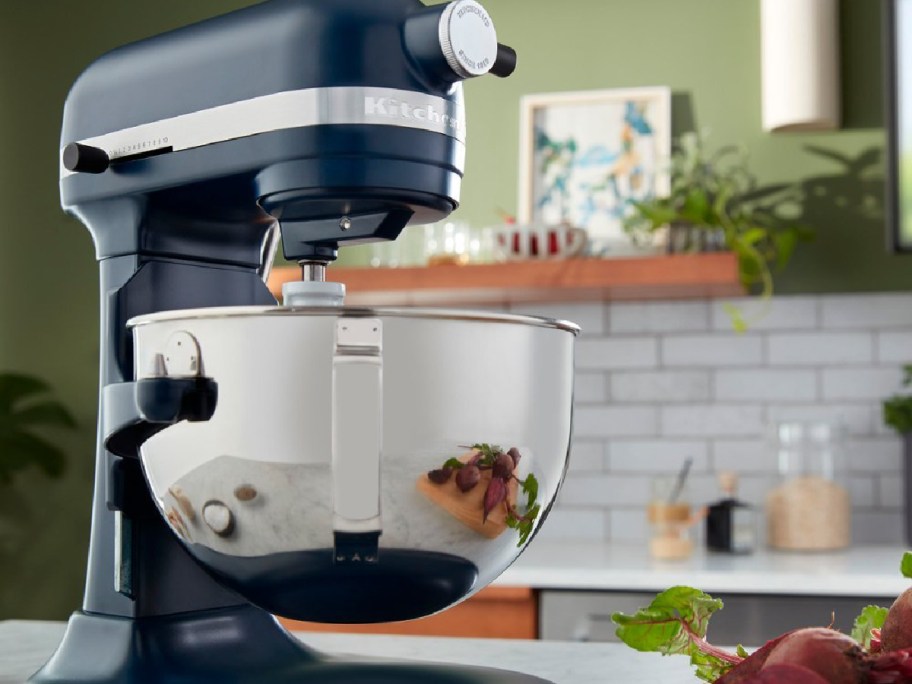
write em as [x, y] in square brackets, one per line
[494, 612]
[746, 619]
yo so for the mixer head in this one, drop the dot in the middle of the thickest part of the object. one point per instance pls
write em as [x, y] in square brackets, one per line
[342, 120]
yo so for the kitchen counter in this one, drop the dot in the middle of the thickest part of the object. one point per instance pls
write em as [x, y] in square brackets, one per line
[25, 646]
[858, 571]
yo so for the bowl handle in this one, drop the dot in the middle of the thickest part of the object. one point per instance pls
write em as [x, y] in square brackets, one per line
[357, 418]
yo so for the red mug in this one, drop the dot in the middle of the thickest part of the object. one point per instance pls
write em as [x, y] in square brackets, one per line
[539, 242]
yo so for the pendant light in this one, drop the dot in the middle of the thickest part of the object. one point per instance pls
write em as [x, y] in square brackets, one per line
[800, 64]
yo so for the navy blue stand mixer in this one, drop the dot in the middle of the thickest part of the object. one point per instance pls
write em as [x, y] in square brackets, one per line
[189, 156]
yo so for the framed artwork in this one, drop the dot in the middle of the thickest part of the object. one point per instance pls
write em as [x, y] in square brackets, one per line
[585, 156]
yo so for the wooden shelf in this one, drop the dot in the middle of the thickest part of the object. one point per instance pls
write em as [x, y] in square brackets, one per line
[656, 277]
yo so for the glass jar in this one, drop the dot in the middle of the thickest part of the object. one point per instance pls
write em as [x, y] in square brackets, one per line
[670, 521]
[809, 510]
[448, 243]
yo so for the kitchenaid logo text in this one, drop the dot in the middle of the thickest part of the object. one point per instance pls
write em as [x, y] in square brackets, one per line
[138, 148]
[392, 108]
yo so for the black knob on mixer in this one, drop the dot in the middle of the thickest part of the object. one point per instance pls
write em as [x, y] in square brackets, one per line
[505, 63]
[85, 159]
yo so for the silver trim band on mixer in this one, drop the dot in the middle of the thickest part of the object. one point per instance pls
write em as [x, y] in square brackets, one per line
[281, 111]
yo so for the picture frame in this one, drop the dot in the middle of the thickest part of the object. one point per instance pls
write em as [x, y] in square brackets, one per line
[586, 155]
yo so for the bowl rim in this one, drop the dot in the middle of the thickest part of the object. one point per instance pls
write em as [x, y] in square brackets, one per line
[229, 312]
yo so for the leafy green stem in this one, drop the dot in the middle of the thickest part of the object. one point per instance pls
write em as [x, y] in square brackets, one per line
[709, 649]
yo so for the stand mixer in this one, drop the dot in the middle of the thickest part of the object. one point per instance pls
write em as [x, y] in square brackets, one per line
[307, 460]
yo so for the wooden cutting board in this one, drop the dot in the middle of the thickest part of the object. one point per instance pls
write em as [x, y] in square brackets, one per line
[468, 507]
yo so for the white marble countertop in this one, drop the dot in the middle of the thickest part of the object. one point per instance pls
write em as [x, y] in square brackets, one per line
[25, 646]
[858, 571]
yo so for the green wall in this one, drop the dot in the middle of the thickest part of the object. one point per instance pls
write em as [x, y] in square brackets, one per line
[706, 50]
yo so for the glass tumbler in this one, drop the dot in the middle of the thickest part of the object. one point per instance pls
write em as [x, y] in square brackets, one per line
[670, 521]
[809, 510]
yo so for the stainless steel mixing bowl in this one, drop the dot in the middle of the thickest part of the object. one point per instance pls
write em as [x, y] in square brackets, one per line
[308, 491]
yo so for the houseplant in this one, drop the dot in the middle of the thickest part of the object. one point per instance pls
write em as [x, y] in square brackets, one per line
[897, 413]
[715, 203]
[26, 408]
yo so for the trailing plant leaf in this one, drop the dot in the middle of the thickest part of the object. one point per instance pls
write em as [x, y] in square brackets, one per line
[716, 192]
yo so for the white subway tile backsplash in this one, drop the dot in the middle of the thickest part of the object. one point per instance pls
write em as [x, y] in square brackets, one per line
[628, 525]
[615, 421]
[656, 456]
[744, 456]
[702, 489]
[754, 489]
[890, 488]
[659, 386]
[574, 523]
[892, 310]
[862, 490]
[712, 350]
[820, 348]
[657, 382]
[860, 383]
[877, 527]
[895, 347]
[765, 385]
[656, 317]
[590, 388]
[612, 353]
[874, 454]
[783, 313]
[587, 456]
[606, 490]
[855, 418]
[707, 420]
[589, 316]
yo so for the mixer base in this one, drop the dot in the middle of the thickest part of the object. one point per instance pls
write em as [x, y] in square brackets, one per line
[237, 645]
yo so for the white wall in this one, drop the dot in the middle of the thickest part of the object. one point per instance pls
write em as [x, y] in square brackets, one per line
[659, 382]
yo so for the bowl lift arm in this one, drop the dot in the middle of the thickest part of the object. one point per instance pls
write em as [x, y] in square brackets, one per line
[184, 154]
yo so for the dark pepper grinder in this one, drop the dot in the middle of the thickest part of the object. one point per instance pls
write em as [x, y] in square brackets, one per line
[731, 524]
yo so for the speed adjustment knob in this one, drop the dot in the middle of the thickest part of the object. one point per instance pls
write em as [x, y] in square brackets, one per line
[467, 38]
[456, 41]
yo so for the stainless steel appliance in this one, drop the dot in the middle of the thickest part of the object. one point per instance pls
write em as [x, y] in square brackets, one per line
[309, 460]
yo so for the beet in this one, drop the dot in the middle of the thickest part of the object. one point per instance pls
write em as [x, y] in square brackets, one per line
[896, 633]
[890, 668]
[834, 656]
[747, 668]
[786, 674]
